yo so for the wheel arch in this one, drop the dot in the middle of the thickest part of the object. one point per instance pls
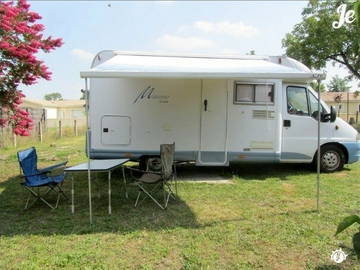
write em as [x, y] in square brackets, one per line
[342, 147]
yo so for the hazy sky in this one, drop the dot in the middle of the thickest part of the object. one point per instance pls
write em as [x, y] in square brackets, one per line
[88, 27]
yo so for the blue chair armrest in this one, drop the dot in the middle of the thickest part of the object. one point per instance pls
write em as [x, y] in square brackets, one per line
[36, 174]
[53, 167]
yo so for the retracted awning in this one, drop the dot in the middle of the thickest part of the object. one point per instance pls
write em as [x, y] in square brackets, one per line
[172, 66]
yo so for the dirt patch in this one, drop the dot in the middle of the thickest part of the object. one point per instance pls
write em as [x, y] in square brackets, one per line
[4, 157]
[340, 174]
[210, 175]
[288, 188]
[171, 261]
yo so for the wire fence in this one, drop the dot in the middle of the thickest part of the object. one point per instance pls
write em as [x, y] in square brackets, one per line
[42, 131]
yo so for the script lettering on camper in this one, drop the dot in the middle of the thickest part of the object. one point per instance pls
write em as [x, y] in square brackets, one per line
[148, 93]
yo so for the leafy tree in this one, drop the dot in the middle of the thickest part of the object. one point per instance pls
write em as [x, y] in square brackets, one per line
[315, 42]
[314, 85]
[21, 38]
[53, 96]
[338, 84]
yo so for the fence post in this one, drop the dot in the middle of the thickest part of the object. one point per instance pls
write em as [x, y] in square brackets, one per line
[75, 128]
[60, 129]
[347, 108]
[352, 121]
[357, 116]
[40, 131]
[2, 136]
[14, 140]
[34, 132]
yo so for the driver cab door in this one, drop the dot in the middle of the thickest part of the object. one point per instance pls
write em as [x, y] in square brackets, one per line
[299, 131]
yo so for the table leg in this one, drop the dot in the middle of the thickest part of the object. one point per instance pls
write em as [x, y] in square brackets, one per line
[109, 177]
[124, 180]
[72, 194]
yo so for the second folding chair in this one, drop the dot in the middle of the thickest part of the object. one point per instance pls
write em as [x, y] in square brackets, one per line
[152, 183]
[35, 178]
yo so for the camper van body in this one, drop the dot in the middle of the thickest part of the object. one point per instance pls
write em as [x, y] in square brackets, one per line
[217, 110]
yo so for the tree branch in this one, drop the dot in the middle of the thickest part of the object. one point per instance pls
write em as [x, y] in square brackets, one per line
[333, 57]
[344, 62]
[349, 66]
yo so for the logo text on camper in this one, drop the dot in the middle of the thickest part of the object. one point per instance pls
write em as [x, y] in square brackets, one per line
[148, 93]
[345, 16]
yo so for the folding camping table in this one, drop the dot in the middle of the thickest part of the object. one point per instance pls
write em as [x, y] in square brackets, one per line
[97, 165]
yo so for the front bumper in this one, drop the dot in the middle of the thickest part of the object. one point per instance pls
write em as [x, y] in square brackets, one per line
[353, 149]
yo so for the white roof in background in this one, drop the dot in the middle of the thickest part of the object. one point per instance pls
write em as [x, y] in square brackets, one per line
[109, 64]
[53, 104]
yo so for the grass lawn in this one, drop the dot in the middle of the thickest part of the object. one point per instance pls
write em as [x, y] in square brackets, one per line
[265, 219]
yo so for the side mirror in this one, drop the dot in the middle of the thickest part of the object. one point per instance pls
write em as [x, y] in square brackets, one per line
[326, 117]
[332, 114]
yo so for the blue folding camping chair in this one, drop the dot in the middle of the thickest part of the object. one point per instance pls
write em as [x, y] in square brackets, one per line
[36, 178]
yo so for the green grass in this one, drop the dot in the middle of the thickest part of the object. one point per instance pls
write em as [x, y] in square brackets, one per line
[265, 219]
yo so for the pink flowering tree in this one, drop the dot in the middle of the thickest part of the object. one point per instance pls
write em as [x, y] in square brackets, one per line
[21, 39]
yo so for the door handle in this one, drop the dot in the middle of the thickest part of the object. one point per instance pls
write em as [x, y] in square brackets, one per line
[205, 104]
[287, 123]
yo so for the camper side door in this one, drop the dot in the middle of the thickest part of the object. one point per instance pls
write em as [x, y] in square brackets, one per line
[299, 132]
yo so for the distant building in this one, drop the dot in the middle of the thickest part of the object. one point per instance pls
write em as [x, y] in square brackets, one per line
[339, 100]
[52, 111]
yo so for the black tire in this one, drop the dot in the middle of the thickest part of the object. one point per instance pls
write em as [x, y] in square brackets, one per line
[332, 158]
[142, 163]
[154, 164]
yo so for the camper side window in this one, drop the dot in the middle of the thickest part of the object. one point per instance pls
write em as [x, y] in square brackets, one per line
[254, 94]
[297, 102]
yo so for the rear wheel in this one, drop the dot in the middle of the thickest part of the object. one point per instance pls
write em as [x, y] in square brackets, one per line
[332, 158]
[150, 163]
[154, 164]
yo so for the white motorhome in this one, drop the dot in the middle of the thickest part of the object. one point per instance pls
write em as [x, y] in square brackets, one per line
[216, 109]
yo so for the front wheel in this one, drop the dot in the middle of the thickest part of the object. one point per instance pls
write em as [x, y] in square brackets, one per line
[332, 158]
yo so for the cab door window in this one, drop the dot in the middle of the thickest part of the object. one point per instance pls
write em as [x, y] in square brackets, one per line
[313, 102]
[297, 101]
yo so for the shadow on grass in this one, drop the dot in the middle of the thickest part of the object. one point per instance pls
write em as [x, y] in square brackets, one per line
[125, 218]
[41, 220]
[264, 171]
[244, 171]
